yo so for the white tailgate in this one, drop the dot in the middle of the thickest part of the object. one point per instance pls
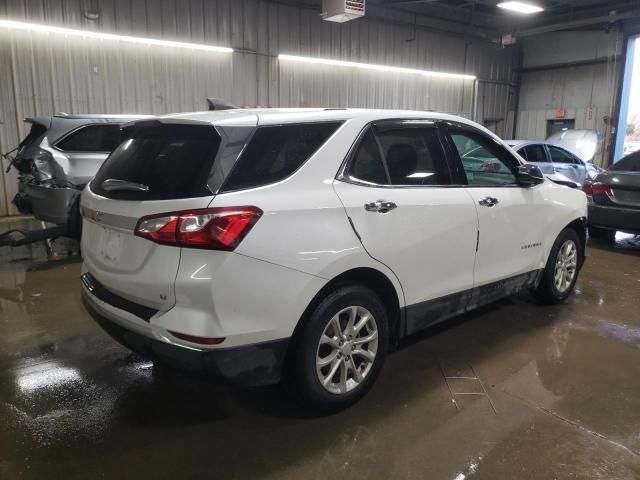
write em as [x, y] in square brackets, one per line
[132, 267]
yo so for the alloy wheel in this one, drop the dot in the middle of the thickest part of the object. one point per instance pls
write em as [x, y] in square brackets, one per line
[347, 349]
[566, 266]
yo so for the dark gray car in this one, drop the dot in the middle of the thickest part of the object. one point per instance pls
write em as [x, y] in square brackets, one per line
[614, 199]
[57, 159]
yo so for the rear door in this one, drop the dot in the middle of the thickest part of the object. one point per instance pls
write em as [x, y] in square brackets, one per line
[511, 218]
[396, 189]
[175, 163]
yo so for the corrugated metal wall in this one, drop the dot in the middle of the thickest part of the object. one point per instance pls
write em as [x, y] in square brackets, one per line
[42, 74]
[586, 93]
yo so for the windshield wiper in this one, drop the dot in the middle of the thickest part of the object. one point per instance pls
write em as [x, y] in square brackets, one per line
[113, 184]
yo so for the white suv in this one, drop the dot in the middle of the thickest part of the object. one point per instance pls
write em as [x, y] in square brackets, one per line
[300, 244]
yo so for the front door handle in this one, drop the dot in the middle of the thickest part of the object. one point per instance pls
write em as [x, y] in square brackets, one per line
[489, 201]
[380, 206]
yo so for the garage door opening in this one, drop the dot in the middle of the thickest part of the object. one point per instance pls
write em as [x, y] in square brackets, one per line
[628, 133]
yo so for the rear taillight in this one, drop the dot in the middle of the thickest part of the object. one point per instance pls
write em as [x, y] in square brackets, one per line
[586, 187]
[600, 189]
[221, 228]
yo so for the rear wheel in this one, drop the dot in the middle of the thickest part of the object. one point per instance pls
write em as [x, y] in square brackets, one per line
[74, 225]
[561, 272]
[602, 234]
[340, 350]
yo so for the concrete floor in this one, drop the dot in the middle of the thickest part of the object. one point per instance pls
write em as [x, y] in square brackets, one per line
[564, 382]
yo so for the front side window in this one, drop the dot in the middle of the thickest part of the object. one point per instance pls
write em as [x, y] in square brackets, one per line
[275, 152]
[92, 138]
[560, 156]
[534, 153]
[484, 161]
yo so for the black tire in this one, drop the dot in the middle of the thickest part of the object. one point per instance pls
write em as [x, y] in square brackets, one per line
[74, 225]
[301, 378]
[547, 292]
[602, 234]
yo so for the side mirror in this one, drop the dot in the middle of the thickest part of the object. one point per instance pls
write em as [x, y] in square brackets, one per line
[529, 175]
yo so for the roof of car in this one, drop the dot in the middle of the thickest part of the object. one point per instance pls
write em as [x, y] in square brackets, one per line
[516, 143]
[100, 116]
[277, 116]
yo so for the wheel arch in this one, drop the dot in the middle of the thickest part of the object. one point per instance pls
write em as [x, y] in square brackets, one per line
[367, 277]
[579, 225]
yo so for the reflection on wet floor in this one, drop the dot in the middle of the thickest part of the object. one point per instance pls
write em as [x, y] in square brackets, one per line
[564, 380]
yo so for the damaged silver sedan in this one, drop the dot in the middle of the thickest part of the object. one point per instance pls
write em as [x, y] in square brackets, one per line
[58, 157]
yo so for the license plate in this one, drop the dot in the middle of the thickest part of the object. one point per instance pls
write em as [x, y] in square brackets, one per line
[111, 245]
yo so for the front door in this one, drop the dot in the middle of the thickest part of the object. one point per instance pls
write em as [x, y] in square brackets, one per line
[397, 191]
[511, 218]
[567, 164]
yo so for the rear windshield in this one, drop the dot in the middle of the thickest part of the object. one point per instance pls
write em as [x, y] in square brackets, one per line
[173, 161]
[36, 131]
[275, 152]
[630, 163]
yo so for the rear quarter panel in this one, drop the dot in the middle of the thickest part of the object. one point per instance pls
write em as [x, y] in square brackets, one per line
[304, 226]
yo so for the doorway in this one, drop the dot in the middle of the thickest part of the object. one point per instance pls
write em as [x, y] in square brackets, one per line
[555, 126]
[628, 132]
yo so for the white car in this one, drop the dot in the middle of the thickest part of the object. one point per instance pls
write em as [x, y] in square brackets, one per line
[300, 244]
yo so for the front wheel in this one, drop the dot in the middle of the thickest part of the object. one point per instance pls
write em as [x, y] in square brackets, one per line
[561, 272]
[340, 350]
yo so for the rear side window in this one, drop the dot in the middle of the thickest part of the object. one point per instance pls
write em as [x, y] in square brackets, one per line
[400, 155]
[173, 161]
[367, 163]
[414, 156]
[534, 153]
[275, 152]
[92, 138]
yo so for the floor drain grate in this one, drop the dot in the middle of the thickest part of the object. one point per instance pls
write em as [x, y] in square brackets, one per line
[472, 378]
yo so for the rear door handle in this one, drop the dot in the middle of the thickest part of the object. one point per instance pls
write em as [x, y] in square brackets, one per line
[380, 206]
[489, 201]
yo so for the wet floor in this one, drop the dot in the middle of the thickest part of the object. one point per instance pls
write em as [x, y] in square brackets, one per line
[556, 394]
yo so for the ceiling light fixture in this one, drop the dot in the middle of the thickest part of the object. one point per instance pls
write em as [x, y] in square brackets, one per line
[70, 32]
[369, 66]
[521, 7]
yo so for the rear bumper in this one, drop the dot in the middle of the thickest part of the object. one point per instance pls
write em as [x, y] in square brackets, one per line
[615, 218]
[247, 365]
[50, 204]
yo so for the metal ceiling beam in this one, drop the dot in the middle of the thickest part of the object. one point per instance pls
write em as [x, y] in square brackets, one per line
[441, 11]
[585, 22]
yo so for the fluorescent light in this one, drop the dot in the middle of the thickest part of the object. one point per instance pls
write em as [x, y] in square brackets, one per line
[369, 66]
[70, 32]
[521, 7]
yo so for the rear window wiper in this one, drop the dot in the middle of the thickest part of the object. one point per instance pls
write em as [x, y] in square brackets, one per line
[113, 184]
